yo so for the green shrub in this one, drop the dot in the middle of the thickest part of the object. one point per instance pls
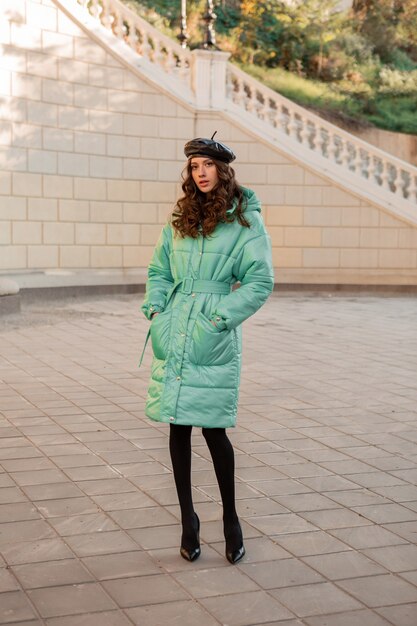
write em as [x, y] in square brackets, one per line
[397, 83]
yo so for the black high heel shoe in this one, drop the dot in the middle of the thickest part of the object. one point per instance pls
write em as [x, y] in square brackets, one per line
[235, 550]
[191, 554]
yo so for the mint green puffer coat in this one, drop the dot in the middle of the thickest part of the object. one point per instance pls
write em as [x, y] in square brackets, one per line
[196, 366]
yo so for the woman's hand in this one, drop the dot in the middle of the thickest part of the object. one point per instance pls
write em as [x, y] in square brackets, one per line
[153, 314]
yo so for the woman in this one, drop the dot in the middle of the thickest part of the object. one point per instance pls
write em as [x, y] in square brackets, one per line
[215, 238]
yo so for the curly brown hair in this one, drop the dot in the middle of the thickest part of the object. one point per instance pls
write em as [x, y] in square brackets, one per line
[197, 213]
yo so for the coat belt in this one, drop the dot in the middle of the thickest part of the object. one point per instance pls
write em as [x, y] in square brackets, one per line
[188, 286]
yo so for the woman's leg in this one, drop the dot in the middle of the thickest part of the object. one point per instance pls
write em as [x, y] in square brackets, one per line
[222, 453]
[180, 450]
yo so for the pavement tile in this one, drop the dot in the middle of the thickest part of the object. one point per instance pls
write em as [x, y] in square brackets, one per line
[367, 537]
[395, 558]
[104, 618]
[35, 551]
[410, 576]
[15, 607]
[52, 492]
[77, 460]
[15, 512]
[280, 487]
[66, 506]
[335, 518]
[253, 607]
[329, 483]
[343, 565]
[12, 532]
[306, 502]
[8, 495]
[348, 618]
[356, 497]
[407, 530]
[101, 543]
[317, 599]
[280, 524]
[82, 524]
[283, 573]
[205, 583]
[70, 599]
[311, 543]
[181, 613]
[404, 615]
[51, 573]
[39, 477]
[137, 591]
[387, 513]
[108, 566]
[7, 581]
[106, 486]
[142, 518]
[377, 591]
[120, 501]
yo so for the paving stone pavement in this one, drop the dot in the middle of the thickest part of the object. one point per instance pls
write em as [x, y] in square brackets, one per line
[326, 456]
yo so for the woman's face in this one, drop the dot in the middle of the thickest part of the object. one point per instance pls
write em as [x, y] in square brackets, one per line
[204, 173]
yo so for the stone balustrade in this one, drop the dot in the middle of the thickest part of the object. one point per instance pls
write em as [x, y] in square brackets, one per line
[144, 39]
[326, 140]
[215, 84]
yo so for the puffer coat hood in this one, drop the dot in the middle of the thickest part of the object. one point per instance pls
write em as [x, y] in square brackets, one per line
[195, 371]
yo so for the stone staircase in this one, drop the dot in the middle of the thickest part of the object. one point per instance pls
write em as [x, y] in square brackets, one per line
[206, 80]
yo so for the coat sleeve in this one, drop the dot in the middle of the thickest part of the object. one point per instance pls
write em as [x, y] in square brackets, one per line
[254, 270]
[160, 279]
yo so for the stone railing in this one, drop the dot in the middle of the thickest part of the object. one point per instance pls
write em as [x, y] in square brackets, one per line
[324, 139]
[211, 82]
[144, 39]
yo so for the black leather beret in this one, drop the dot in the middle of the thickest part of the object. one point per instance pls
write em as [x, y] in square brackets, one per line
[209, 148]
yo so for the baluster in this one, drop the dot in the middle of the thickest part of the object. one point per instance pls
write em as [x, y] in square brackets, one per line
[345, 154]
[158, 55]
[385, 184]
[240, 93]
[132, 39]
[357, 162]
[146, 46]
[184, 71]
[95, 9]
[332, 147]
[171, 62]
[230, 85]
[412, 188]
[372, 168]
[250, 100]
[317, 139]
[106, 17]
[275, 115]
[292, 125]
[322, 141]
[263, 108]
[305, 132]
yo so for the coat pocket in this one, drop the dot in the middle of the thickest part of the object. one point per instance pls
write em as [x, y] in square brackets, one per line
[160, 334]
[209, 346]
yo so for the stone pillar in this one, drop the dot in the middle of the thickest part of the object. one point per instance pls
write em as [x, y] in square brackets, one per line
[208, 78]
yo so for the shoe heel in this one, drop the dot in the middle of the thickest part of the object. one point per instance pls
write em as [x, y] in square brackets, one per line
[193, 553]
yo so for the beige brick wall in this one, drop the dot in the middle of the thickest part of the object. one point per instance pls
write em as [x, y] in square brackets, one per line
[90, 162]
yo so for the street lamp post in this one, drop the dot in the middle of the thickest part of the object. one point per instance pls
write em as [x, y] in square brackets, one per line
[183, 36]
[209, 17]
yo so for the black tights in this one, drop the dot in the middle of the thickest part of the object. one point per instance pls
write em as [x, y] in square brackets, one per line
[222, 454]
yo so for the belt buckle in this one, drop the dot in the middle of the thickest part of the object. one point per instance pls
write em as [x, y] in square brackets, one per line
[187, 285]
